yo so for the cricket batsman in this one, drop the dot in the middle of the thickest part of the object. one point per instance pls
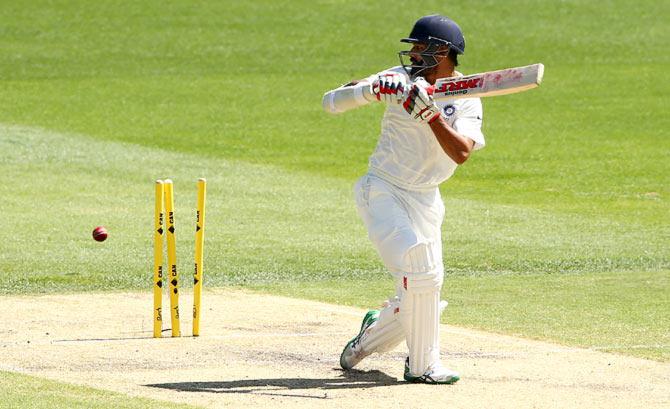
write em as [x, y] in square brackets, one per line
[421, 144]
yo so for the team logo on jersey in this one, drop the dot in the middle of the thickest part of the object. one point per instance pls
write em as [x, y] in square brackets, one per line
[449, 110]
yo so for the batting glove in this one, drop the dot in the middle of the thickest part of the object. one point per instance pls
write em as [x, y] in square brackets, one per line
[389, 87]
[419, 103]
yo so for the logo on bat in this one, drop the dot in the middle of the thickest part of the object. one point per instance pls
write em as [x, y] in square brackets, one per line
[458, 86]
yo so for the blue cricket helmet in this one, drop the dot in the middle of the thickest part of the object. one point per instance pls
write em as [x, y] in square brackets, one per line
[437, 28]
[435, 31]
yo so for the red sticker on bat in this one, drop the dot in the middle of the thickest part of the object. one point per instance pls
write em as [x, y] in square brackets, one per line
[460, 85]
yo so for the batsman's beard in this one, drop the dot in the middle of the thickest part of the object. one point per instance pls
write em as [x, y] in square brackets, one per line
[418, 68]
[421, 71]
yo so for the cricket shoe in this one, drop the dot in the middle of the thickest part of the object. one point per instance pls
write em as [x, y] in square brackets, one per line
[436, 375]
[353, 353]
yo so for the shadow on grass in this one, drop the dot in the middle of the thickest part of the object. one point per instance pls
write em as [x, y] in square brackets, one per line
[347, 380]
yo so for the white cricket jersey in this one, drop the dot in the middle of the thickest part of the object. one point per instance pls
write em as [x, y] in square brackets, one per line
[408, 153]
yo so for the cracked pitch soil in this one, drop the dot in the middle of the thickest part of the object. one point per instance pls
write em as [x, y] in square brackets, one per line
[267, 351]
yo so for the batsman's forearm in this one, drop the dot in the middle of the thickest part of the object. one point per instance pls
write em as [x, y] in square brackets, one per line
[347, 97]
[455, 145]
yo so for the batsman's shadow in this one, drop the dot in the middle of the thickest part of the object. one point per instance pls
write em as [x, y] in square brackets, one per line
[347, 380]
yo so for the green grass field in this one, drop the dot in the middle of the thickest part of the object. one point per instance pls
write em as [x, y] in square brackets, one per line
[23, 391]
[558, 230]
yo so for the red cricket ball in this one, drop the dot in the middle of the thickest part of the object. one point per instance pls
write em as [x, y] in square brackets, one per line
[100, 233]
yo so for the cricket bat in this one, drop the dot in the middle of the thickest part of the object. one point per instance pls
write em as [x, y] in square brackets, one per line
[485, 84]
[489, 84]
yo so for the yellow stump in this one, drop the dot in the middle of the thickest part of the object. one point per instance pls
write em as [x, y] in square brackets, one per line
[199, 247]
[173, 277]
[158, 259]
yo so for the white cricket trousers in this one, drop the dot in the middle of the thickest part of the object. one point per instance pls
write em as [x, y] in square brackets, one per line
[404, 225]
[405, 228]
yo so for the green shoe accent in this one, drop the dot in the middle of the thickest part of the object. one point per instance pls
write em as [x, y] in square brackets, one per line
[426, 378]
[370, 318]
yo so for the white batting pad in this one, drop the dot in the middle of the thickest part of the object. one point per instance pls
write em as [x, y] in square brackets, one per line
[387, 332]
[420, 317]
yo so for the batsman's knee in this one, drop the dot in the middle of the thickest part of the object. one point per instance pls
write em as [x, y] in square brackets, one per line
[423, 274]
[422, 258]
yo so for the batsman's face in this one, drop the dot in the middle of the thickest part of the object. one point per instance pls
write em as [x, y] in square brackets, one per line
[428, 71]
[415, 52]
